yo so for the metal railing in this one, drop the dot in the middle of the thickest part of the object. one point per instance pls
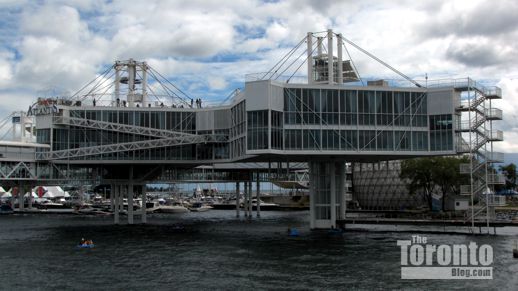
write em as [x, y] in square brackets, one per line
[494, 114]
[496, 135]
[495, 157]
[493, 92]
[496, 179]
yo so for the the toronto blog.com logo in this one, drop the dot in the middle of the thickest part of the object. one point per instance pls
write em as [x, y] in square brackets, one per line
[420, 259]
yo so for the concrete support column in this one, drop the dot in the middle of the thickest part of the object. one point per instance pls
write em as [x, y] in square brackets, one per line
[340, 74]
[14, 136]
[21, 198]
[332, 176]
[112, 197]
[342, 189]
[144, 84]
[22, 129]
[330, 56]
[258, 194]
[115, 192]
[144, 217]
[245, 197]
[30, 197]
[312, 194]
[250, 212]
[130, 203]
[130, 196]
[309, 41]
[237, 199]
[132, 72]
[319, 46]
[117, 84]
[122, 190]
[81, 194]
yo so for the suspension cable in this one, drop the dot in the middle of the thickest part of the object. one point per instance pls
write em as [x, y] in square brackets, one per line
[382, 62]
[283, 60]
[354, 65]
[99, 76]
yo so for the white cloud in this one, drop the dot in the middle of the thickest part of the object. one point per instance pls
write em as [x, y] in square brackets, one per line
[6, 71]
[209, 44]
[217, 83]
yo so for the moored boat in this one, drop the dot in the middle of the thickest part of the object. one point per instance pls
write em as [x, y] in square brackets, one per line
[172, 209]
[199, 207]
[264, 205]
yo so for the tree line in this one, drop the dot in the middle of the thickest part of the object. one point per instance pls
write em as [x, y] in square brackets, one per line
[442, 174]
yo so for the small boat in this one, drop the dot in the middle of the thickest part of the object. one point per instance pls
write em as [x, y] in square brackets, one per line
[264, 205]
[152, 206]
[227, 204]
[224, 206]
[335, 231]
[199, 207]
[293, 232]
[52, 205]
[172, 209]
[85, 246]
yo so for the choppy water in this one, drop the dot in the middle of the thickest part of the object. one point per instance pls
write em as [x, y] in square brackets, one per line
[218, 252]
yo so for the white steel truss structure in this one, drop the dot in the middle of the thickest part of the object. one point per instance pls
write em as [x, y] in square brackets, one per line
[129, 146]
[17, 170]
[119, 127]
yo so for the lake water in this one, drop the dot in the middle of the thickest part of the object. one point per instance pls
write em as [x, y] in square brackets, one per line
[218, 251]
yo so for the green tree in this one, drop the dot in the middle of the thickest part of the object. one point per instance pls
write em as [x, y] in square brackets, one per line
[446, 175]
[510, 175]
[418, 172]
[428, 174]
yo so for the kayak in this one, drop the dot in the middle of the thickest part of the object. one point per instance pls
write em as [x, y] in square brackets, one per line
[335, 232]
[293, 232]
[85, 246]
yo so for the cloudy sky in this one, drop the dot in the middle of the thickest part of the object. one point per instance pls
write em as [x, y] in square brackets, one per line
[206, 47]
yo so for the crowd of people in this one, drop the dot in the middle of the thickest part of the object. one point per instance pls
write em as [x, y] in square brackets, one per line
[123, 103]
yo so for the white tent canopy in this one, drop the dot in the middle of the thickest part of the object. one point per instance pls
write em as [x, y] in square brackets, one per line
[6, 195]
[2, 190]
[53, 192]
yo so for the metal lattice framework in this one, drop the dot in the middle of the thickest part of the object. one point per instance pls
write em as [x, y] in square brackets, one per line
[118, 127]
[479, 145]
[17, 171]
[129, 146]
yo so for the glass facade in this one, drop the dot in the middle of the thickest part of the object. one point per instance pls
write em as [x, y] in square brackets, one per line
[441, 132]
[276, 136]
[71, 137]
[373, 120]
[257, 124]
[238, 130]
[313, 119]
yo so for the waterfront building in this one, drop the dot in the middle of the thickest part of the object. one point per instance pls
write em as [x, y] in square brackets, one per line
[332, 118]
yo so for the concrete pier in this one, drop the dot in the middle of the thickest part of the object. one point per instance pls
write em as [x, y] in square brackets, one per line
[130, 203]
[237, 199]
[250, 194]
[143, 209]
[115, 192]
[327, 192]
[130, 196]
[258, 195]
[245, 198]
